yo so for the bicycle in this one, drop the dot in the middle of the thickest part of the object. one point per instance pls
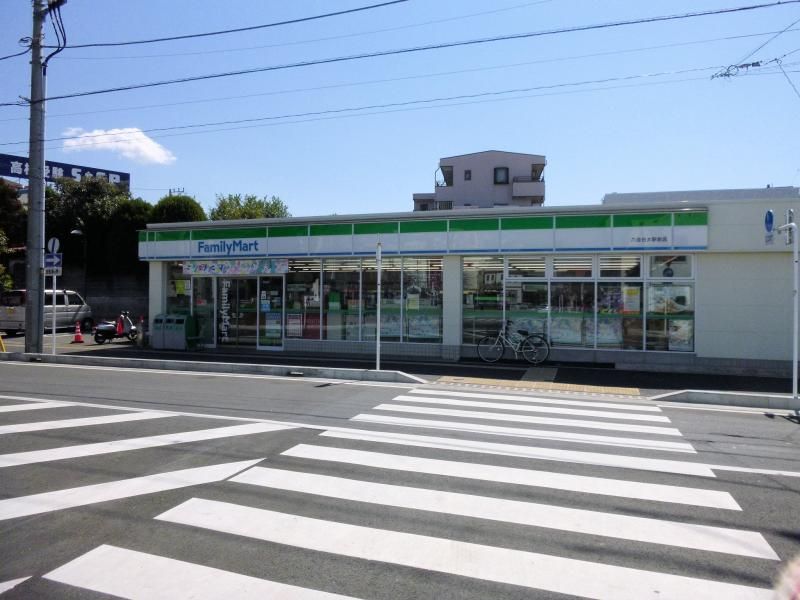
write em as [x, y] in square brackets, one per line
[533, 347]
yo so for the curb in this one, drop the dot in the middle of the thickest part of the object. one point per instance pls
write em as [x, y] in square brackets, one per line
[218, 367]
[742, 399]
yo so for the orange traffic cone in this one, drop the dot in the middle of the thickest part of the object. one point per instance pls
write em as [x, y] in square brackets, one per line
[78, 339]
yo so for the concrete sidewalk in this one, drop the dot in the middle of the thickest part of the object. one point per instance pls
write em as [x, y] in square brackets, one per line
[762, 392]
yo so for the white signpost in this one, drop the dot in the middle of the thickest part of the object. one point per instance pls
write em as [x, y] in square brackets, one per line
[790, 231]
[52, 266]
[378, 260]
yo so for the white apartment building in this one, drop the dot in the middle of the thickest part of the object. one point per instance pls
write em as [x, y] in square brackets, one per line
[487, 179]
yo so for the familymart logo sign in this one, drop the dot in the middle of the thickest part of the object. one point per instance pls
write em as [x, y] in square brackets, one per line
[227, 247]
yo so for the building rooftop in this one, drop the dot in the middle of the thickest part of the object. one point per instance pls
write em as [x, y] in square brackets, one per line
[767, 193]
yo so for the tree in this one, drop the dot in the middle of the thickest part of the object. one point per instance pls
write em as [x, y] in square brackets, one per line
[177, 209]
[123, 233]
[86, 205]
[5, 279]
[13, 218]
[233, 206]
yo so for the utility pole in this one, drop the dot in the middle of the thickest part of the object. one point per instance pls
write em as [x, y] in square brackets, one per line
[34, 277]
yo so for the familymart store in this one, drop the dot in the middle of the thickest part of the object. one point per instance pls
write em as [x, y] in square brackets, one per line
[605, 285]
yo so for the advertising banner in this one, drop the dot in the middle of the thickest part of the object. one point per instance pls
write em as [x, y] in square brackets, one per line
[17, 166]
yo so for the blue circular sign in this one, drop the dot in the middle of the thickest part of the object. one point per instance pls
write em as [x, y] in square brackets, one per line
[769, 221]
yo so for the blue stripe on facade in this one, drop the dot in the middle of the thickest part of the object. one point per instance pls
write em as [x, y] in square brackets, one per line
[582, 249]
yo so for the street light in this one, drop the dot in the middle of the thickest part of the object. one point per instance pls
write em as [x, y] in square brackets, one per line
[79, 232]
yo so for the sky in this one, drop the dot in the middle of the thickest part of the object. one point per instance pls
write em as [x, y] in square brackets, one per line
[620, 109]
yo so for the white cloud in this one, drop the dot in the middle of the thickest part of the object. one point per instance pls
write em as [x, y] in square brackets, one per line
[130, 142]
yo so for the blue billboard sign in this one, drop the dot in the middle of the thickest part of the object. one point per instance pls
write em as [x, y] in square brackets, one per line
[17, 166]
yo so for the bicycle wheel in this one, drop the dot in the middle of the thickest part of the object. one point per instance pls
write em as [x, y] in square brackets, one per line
[535, 349]
[490, 349]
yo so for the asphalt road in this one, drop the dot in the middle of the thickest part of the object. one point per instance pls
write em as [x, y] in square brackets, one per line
[145, 484]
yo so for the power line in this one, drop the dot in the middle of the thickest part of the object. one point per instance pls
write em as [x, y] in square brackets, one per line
[781, 32]
[404, 78]
[15, 55]
[314, 40]
[378, 106]
[238, 29]
[789, 79]
[416, 108]
[416, 49]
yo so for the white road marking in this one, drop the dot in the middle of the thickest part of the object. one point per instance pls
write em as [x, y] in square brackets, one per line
[538, 400]
[7, 585]
[490, 563]
[600, 414]
[755, 471]
[32, 406]
[654, 492]
[130, 574]
[589, 522]
[23, 506]
[561, 436]
[517, 418]
[533, 452]
[82, 422]
[37, 456]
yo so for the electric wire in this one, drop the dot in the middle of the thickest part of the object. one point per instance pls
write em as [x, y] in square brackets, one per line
[314, 40]
[396, 79]
[15, 55]
[238, 29]
[781, 32]
[379, 106]
[562, 92]
[789, 79]
[415, 49]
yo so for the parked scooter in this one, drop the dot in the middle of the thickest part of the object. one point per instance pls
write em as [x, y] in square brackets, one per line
[122, 327]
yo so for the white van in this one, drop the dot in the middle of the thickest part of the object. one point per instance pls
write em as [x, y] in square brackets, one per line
[70, 307]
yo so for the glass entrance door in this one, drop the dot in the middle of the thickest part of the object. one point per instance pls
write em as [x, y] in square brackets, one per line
[203, 309]
[270, 313]
[237, 311]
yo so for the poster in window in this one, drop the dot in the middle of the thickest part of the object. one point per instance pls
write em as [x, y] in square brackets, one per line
[423, 326]
[294, 325]
[681, 335]
[567, 330]
[609, 331]
[631, 299]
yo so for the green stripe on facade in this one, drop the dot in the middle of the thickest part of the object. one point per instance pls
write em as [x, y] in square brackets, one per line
[332, 229]
[474, 225]
[691, 218]
[526, 223]
[423, 226]
[172, 236]
[224, 234]
[583, 222]
[142, 236]
[652, 220]
[288, 231]
[374, 228]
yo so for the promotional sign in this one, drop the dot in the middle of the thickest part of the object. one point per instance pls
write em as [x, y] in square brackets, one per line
[236, 267]
[769, 228]
[17, 166]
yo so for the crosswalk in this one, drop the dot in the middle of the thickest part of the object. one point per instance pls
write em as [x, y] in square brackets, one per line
[480, 493]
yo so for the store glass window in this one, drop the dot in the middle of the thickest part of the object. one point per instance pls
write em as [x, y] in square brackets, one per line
[619, 315]
[572, 314]
[303, 299]
[526, 306]
[670, 266]
[179, 290]
[482, 310]
[526, 266]
[422, 296]
[572, 266]
[620, 266]
[391, 303]
[670, 317]
[341, 299]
